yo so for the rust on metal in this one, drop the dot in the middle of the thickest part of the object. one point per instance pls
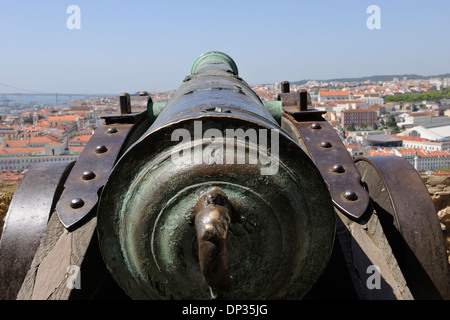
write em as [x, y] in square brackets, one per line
[90, 172]
[332, 159]
[294, 101]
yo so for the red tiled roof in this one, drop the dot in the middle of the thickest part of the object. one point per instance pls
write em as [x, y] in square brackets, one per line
[352, 146]
[359, 110]
[20, 150]
[43, 139]
[380, 152]
[82, 138]
[420, 114]
[333, 93]
[408, 138]
[348, 101]
[76, 149]
[62, 118]
[16, 143]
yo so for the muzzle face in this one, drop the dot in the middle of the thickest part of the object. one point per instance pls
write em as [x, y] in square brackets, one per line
[279, 237]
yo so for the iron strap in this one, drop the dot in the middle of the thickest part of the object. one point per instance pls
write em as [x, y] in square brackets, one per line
[333, 160]
[91, 172]
[396, 188]
[26, 222]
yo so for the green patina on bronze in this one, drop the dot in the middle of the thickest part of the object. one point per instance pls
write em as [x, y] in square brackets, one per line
[214, 58]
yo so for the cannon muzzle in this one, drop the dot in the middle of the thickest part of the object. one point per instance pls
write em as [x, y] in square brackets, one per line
[216, 139]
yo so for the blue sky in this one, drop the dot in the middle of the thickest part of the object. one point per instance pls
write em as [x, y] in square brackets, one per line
[128, 46]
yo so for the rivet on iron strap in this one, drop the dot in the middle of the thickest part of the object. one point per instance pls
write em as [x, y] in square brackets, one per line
[90, 172]
[336, 166]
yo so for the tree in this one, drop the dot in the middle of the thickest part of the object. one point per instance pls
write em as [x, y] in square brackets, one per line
[363, 125]
[390, 122]
[375, 127]
[351, 127]
[430, 95]
[396, 129]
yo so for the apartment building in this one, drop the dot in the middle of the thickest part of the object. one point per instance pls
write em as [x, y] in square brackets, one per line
[358, 117]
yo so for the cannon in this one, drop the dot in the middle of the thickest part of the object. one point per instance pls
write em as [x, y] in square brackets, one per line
[217, 194]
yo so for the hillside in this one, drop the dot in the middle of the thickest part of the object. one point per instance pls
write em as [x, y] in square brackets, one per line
[375, 78]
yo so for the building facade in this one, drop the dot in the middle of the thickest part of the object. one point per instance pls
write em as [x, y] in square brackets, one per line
[358, 117]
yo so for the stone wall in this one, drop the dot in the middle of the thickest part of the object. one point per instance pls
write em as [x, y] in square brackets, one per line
[439, 188]
[6, 193]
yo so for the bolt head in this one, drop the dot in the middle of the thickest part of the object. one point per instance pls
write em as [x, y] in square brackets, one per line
[315, 126]
[337, 168]
[76, 203]
[101, 149]
[88, 175]
[326, 144]
[111, 130]
[350, 195]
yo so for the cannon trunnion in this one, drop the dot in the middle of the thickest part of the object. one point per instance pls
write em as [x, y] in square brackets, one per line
[217, 194]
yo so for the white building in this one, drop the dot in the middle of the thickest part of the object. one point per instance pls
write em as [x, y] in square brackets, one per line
[371, 100]
[424, 160]
[413, 119]
[437, 132]
[424, 144]
[338, 106]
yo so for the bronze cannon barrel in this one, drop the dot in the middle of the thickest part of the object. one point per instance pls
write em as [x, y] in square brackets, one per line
[215, 199]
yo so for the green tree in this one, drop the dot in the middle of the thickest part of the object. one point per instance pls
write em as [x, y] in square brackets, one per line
[390, 121]
[430, 95]
[351, 127]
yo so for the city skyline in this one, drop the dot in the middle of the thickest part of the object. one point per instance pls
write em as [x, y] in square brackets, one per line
[152, 45]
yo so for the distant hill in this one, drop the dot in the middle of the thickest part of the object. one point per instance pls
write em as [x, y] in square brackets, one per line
[376, 78]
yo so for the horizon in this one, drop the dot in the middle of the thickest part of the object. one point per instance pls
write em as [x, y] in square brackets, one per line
[104, 94]
[152, 46]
